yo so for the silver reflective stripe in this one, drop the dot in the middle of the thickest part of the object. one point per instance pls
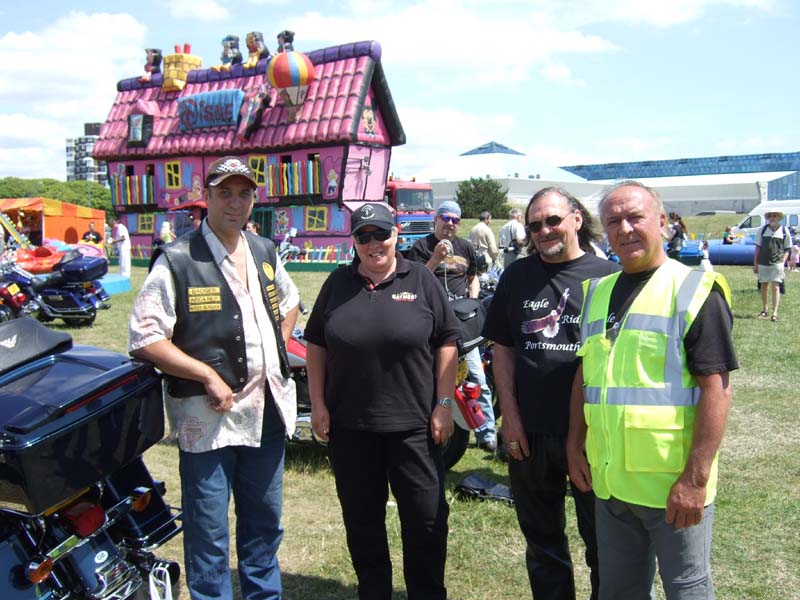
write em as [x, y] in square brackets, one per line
[626, 396]
[685, 296]
[594, 327]
[656, 324]
[591, 395]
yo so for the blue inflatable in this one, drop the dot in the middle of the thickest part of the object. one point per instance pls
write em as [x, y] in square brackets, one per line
[740, 253]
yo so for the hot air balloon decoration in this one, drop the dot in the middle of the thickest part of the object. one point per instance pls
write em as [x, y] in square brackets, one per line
[291, 73]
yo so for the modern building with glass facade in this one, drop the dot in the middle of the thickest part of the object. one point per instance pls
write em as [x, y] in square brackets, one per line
[677, 167]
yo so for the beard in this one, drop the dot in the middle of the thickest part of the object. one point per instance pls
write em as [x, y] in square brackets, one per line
[551, 251]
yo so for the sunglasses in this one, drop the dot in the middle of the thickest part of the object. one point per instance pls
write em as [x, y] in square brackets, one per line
[551, 221]
[449, 219]
[380, 235]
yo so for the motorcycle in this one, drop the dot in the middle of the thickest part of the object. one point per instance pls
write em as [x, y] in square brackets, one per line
[72, 292]
[288, 251]
[80, 514]
[14, 301]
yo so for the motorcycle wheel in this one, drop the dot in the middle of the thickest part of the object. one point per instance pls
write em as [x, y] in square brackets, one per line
[455, 447]
[6, 314]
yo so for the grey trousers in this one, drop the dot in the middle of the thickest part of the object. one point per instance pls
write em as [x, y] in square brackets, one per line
[629, 540]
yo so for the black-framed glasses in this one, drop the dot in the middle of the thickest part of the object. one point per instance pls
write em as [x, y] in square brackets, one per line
[364, 237]
[449, 219]
[551, 221]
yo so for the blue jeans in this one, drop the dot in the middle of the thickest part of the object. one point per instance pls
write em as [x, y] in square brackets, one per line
[255, 476]
[630, 538]
[485, 433]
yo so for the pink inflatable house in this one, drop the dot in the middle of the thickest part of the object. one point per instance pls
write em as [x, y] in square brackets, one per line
[312, 159]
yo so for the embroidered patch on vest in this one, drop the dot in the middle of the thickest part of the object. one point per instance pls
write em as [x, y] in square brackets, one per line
[272, 297]
[202, 299]
[268, 270]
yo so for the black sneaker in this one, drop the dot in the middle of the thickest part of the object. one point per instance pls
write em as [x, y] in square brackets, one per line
[488, 446]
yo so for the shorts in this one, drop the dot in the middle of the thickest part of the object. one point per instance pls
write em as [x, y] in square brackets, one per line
[770, 273]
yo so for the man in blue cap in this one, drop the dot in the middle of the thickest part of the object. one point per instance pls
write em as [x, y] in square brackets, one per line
[452, 260]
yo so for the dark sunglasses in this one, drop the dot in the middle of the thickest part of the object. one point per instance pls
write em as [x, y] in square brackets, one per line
[380, 235]
[551, 221]
[449, 219]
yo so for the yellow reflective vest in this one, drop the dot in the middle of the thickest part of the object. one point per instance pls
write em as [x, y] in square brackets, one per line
[639, 398]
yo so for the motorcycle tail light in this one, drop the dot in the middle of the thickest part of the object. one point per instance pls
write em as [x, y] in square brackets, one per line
[38, 572]
[4, 293]
[20, 298]
[84, 518]
[472, 391]
[141, 499]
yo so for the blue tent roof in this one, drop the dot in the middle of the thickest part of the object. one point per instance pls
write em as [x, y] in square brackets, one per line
[491, 148]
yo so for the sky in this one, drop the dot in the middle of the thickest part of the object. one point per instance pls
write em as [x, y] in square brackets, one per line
[563, 81]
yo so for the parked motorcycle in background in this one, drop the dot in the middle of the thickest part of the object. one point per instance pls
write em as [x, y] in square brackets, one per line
[288, 251]
[72, 292]
[80, 514]
[14, 301]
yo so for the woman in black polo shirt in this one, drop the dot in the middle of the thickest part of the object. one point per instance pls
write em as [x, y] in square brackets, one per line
[382, 367]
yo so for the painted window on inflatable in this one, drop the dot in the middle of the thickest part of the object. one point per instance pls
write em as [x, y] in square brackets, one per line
[259, 166]
[173, 172]
[140, 130]
[145, 223]
[317, 219]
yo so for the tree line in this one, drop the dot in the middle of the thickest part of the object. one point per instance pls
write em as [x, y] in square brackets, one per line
[82, 193]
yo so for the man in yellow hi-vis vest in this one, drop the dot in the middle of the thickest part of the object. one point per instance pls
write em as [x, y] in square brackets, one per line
[649, 405]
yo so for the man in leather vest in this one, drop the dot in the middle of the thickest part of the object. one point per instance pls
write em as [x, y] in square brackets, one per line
[214, 315]
[654, 387]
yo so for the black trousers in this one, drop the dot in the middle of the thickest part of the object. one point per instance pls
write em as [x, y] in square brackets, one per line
[539, 485]
[364, 465]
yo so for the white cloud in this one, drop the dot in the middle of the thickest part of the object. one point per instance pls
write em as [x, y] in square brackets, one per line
[202, 10]
[54, 80]
[458, 41]
[576, 13]
[443, 133]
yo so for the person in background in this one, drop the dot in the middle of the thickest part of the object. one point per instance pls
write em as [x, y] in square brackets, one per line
[215, 314]
[482, 239]
[534, 322]
[92, 236]
[252, 227]
[676, 234]
[727, 237]
[381, 369]
[647, 412]
[512, 237]
[122, 242]
[166, 234]
[452, 260]
[705, 262]
[794, 255]
[773, 245]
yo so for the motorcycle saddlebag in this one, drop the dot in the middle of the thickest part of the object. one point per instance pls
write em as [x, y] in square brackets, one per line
[69, 417]
[85, 268]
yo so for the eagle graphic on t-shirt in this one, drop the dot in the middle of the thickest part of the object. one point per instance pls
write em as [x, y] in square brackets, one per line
[549, 324]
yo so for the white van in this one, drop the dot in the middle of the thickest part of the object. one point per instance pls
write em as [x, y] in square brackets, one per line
[755, 220]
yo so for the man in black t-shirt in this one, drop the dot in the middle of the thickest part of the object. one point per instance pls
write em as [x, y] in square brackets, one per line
[534, 322]
[654, 387]
[92, 236]
[452, 260]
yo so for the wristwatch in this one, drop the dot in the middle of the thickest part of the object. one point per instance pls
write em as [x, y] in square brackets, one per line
[445, 402]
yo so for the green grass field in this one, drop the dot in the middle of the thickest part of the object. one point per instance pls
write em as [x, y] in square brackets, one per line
[757, 530]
